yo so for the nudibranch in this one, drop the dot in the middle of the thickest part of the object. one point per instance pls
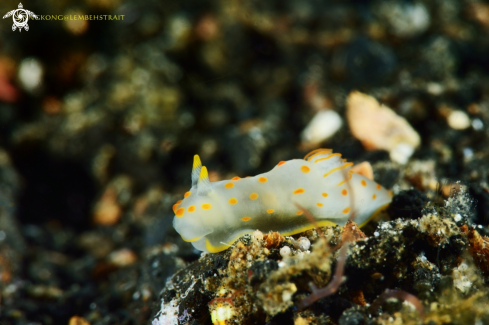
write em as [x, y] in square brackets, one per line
[214, 215]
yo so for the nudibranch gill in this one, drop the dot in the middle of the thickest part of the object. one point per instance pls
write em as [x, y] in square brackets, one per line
[214, 215]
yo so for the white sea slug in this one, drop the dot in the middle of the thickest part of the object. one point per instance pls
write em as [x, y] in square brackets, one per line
[214, 215]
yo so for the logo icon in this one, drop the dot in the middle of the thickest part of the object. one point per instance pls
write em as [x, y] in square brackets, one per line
[20, 17]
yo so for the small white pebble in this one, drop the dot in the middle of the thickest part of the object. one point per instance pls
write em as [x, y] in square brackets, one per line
[304, 243]
[457, 217]
[322, 126]
[479, 226]
[30, 74]
[468, 153]
[136, 295]
[405, 19]
[287, 295]
[458, 120]
[477, 124]
[376, 234]
[434, 88]
[285, 251]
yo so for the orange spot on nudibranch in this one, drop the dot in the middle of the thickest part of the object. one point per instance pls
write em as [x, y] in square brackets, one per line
[379, 187]
[191, 208]
[233, 201]
[374, 197]
[175, 206]
[180, 212]
[319, 204]
[253, 196]
[325, 194]
[344, 192]
[281, 163]
[235, 178]
[346, 210]
[300, 212]
[262, 179]
[246, 218]
[305, 169]
[270, 211]
[206, 206]
[299, 191]
[229, 185]
[187, 194]
[363, 182]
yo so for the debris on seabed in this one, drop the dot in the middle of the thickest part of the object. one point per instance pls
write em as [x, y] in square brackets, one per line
[379, 127]
[421, 261]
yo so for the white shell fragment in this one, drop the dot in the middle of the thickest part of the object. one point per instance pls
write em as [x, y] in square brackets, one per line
[285, 251]
[304, 244]
[380, 128]
[462, 277]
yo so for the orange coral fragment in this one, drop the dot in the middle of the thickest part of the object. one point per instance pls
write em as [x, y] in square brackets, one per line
[358, 298]
[352, 232]
[273, 239]
[479, 249]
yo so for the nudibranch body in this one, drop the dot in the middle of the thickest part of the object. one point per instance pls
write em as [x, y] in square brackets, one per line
[214, 215]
